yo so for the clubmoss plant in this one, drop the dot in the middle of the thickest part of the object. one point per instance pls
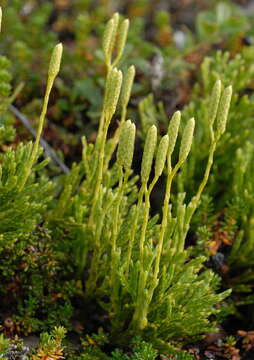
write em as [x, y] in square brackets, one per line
[133, 265]
[224, 71]
[23, 197]
[139, 271]
[239, 214]
[54, 67]
[31, 259]
[224, 227]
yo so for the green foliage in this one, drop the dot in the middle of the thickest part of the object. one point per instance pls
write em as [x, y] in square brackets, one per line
[240, 209]
[26, 50]
[94, 224]
[139, 271]
[21, 208]
[232, 71]
[227, 221]
[78, 93]
[23, 196]
[6, 120]
[226, 20]
[150, 114]
[31, 260]
[37, 284]
[50, 346]
[4, 345]
[139, 350]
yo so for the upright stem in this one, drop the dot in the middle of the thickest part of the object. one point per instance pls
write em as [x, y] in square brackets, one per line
[171, 174]
[115, 138]
[101, 124]
[99, 171]
[102, 118]
[39, 131]
[143, 230]
[134, 229]
[195, 200]
[140, 309]
[91, 282]
[116, 222]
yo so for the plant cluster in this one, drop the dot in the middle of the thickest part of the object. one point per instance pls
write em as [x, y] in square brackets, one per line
[223, 221]
[91, 236]
[138, 266]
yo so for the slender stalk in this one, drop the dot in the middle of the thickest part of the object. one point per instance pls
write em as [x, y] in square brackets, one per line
[143, 237]
[116, 222]
[140, 310]
[164, 222]
[145, 221]
[116, 216]
[207, 171]
[91, 283]
[115, 138]
[134, 229]
[54, 67]
[39, 131]
[99, 171]
[195, 200]
[101, 125]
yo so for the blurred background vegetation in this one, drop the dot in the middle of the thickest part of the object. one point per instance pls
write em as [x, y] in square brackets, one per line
[168, 41]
